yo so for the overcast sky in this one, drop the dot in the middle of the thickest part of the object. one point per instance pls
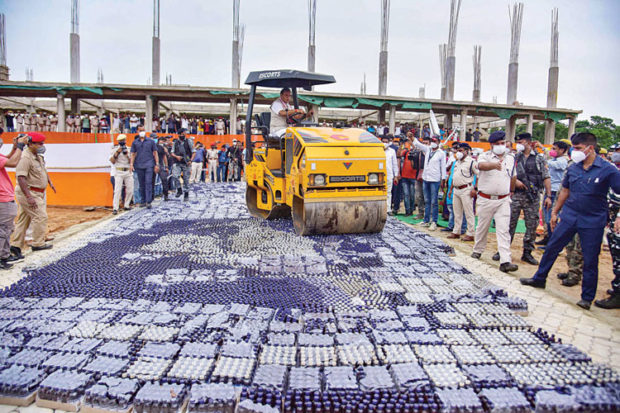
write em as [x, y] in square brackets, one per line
[196, 44]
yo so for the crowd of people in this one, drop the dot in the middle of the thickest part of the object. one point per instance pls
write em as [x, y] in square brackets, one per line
[574, 185]
[122, 123]
[155, 162]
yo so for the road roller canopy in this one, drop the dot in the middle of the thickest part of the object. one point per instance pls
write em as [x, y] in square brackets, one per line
[288, 78]
[335, 137]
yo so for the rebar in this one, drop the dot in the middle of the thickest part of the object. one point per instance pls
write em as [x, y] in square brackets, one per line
[385, 24]
[241, 40]
[311, 22]
[477, 58]
[455, 7]
[443, 56]
[236, 6]
[75, 16]
[156, 18]
[555, 35]
[2, 40]
[516, 19]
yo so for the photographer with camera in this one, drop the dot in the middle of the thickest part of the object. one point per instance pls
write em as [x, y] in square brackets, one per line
[532, 177]
[121, 163]
[182, 153]
[411, 171]
[8, 208]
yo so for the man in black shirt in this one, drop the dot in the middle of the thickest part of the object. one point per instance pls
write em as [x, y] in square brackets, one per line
[164, 157]
[182, 154]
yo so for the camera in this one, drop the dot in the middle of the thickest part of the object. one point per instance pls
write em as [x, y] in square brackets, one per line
[123, 145]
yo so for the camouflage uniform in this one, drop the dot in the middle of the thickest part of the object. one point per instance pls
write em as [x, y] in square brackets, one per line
[574, 259]
[534, 173]
[614, 239]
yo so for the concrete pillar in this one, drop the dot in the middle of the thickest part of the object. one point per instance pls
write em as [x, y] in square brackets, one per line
[450, 71]
[383, 61]
[74, 49]
[156, 61]
[511, 128]
[447, 121]
[311, 58]
[392, 123]
[513, 77]
[233, 116]
[463, 130]
[60, 109]
[148, 114]
[549, 131]
[552, 87]
[530, 124]
[571, 125]
[75, 105]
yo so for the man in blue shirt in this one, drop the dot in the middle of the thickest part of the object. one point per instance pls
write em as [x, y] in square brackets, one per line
[222, 161]
[583, 204]
[197, 160]
[144, 161]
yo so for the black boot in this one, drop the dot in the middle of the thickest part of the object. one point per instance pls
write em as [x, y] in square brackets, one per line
[508, 267]
[186, 196]
[166, 197]
[527, 257]
[543, 241]
[4, 264]
[179, 192]
[16, 255]
[609, 303]
[562, 275]
[496, 256]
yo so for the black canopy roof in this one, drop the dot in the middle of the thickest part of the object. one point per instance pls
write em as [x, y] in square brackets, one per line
[288, 78]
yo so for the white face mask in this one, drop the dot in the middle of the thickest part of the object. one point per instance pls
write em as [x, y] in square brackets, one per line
[142, 134]
[386, 145]
[578, 156]
[433, 145]
[520, 147]
[459, 155]
[499, 149]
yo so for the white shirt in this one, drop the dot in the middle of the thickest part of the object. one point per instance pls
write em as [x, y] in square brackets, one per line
[496, 182]
[278, 121]
[391, 163]
[133, 121]
[184, 123]
[434, 163]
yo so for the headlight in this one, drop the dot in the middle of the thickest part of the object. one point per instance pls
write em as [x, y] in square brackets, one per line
[319, 180]
[373, 179]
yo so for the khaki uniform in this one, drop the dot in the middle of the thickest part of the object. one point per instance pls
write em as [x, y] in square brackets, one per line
[494, 184]
[462, 203]
[122, 176]
[212, 162]
[32, 167]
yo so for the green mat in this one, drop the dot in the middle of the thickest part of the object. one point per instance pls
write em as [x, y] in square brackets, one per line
[440, 222]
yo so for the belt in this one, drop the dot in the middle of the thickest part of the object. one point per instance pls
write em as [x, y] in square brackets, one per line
[463, 186]
[122, 169]
[493, 197]
[32, 188]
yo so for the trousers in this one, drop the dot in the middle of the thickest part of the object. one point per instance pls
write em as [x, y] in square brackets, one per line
[408, 185]
[591, 239]
[614, 248]
[520, 202]
[221, 172]
[163, 177]
[431, 201]
[419, 196]
[178, 170]
[212, 170]
[195, 174]
[389, 186]
[487, 210]
[27, 216]
[8, 211]
[122, 178]
[145, 180]
[574, 258]
[463, 203]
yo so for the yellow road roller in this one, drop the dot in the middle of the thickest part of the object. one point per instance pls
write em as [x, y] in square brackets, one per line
[330, 180]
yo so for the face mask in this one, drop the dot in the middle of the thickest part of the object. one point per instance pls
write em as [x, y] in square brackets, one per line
[142, 134]
[386, 144]
[499, 149]
[553, 153]
[41, 150]
[459, 155]
[434, 145]
[520, 147]
[182, 137]
[122, 143]
[615, 157]
[578, 156]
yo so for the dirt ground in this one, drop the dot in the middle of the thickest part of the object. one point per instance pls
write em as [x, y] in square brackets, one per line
[63, 217]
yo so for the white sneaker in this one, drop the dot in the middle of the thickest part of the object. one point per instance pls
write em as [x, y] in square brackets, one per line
[425, 224]
[432, 227]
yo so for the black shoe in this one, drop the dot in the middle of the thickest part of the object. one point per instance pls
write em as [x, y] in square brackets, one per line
[610, 291]
[447, 229]
[531, 282]
[562, 275]
[148, 206]
[127, 208]
[166, 198]
[114, 212]
[609, 303]
[179, 193]
[527, 257]
[16, 255]
[14, 259]
[496, 256]
[391, 213]
[570, 282]
[186, 196]
[476, 255]
[42, 247]
[584, 304]
[4, 265]
[543, 241]
[508, 267]
[408, 214]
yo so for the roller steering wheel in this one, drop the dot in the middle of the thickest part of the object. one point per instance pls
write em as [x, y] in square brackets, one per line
[295, 118]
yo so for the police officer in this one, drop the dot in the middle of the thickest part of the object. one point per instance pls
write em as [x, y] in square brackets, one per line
[122, 174]
[32, 180]
[162, 154]
[613, 238]
[463, 176]
[182, 154]
[532, 176]
[496, 182]
[144, 161]
[584, 210]
[212, 162]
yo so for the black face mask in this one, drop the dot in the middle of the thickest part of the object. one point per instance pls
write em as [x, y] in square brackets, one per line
[182, 137]
[122, 143]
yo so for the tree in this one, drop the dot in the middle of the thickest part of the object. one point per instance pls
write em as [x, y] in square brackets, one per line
[606, 132]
